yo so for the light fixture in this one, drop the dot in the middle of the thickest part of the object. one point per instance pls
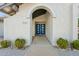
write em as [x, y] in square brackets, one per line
[7, 9]
[11, 9]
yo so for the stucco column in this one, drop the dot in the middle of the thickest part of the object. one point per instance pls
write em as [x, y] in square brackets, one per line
[53, 31]
[30, 29]
[75, 22]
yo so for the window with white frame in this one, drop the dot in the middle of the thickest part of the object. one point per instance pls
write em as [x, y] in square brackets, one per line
[1, 29]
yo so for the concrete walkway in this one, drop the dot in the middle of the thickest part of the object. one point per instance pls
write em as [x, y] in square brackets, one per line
[40, 46]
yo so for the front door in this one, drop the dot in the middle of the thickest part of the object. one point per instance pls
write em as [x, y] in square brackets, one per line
[40, 29]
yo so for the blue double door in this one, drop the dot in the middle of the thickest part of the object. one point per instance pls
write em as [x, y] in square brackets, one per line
[40, 29]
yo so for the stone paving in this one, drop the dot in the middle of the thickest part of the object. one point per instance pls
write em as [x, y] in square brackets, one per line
[39, 47]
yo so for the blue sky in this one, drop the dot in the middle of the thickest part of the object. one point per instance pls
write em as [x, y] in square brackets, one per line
[2, 14]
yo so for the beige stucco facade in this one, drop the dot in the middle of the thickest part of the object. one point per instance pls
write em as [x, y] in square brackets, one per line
[60, 22]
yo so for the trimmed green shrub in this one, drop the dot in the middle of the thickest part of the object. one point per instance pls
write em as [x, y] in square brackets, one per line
[75, 44]
[20, 43]
[62, 43]
[5, 43]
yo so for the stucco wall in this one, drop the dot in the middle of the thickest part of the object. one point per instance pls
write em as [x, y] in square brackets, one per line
[19, 25]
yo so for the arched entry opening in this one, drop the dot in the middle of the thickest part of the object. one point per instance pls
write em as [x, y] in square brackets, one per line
[42, 22]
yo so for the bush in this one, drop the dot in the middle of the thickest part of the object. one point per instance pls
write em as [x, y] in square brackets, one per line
[62, 43]
[75, 44]
[19, 43]
[5, 43]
